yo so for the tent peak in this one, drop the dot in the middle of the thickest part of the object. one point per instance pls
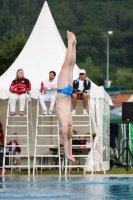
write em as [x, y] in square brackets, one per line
[45, 2]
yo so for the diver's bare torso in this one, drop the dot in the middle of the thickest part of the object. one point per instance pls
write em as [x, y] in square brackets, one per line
[63, 108]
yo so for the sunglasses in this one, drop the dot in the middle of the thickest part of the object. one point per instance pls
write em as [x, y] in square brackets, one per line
[81, 74]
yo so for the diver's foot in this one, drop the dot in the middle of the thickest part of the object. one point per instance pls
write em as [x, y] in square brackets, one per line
[74, 37]
[71, 37]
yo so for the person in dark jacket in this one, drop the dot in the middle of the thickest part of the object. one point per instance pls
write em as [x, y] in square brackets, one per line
[18, 91]
[80, 87]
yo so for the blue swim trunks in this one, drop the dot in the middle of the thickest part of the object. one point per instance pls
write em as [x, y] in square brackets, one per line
[67, 91]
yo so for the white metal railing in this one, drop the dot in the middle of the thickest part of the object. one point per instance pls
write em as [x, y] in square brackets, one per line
[23, 125]
[48, 121]
[85, 121]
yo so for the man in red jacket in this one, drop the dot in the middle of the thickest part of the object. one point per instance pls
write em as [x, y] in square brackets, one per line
[18, 91]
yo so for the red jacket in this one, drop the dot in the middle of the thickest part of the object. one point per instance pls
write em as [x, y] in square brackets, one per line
[17, 147]
[20, 84]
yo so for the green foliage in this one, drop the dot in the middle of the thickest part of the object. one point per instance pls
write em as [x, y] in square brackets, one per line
[94, 73]
[11, 46]
[123, 77]
[87, 19]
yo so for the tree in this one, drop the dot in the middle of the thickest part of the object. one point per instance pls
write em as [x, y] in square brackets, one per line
[11, 46]
[94, 73]
[87, 19]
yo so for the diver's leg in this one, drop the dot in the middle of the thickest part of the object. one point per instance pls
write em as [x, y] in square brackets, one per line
[63, 78]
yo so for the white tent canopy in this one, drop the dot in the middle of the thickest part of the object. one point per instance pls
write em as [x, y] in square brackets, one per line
[43, 52]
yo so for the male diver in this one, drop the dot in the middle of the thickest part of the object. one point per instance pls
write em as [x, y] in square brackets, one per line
[64, 92]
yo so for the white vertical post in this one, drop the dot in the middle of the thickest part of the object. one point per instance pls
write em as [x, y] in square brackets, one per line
[107, 78]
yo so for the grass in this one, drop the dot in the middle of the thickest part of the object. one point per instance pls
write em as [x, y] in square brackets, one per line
[113, 171]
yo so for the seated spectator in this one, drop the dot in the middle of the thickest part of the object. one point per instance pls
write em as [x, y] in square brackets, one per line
[80, 87]
[75, 140]
[15, 149]
[50, 87]
[18, 91]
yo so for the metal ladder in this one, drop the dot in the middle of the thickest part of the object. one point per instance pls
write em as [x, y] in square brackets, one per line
[85, 121]
[46, 136]
[19, 124]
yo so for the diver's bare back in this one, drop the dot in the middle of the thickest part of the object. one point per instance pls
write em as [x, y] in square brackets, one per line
[63, 107]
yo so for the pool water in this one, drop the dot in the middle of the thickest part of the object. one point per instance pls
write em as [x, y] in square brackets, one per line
[75, 188]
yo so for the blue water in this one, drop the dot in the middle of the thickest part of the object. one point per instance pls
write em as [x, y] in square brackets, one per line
[75, 188]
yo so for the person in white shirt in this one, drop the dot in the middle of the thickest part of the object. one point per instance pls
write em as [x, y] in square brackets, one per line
[50, 88]
[80, 87]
